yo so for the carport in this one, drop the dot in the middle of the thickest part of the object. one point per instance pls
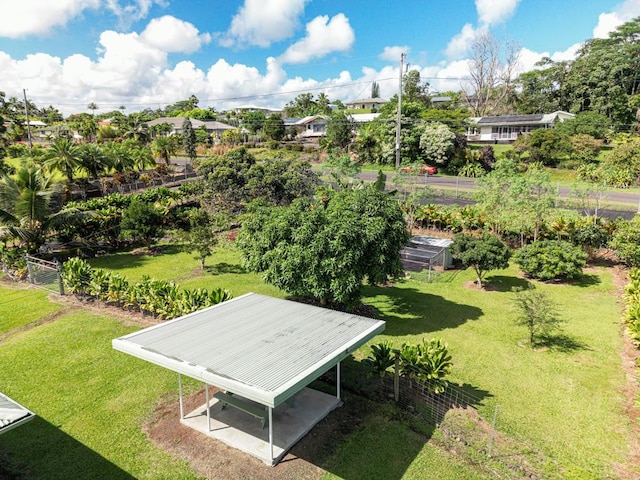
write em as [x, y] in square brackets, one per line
[261, 352]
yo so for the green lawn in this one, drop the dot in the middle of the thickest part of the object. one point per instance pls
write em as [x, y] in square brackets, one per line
[21, 306]
[563, 402]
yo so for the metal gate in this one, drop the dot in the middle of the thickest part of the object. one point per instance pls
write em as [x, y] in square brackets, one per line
[45, 274]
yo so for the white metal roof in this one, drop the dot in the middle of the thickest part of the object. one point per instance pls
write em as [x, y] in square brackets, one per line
[263, 348]
[12, 414]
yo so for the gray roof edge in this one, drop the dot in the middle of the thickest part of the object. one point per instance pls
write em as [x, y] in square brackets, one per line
[197, 372]
[28, 415]
[296, 384]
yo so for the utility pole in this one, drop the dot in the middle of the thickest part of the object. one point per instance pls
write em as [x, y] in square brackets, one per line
[402, 55]
[26, 114]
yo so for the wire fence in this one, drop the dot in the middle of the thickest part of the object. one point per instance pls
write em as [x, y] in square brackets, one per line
[45, 274]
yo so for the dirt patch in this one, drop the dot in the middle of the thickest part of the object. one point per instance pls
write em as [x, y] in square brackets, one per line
[214, 460]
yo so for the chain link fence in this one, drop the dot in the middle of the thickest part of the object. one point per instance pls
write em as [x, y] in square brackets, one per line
[45, 274]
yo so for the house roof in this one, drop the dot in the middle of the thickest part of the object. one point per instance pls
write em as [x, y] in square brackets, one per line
[376, 100]
[262, 348]
[364, 117]
[176, 123]
[534, 119]
[12, 414]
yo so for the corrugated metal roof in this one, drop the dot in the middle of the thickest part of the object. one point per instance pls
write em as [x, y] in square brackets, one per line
[432, 241]
[260, 347]
[12, 414]
[507, 119]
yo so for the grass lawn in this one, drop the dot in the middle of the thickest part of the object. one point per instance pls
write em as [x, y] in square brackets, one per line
[563, 401]
[22, 305]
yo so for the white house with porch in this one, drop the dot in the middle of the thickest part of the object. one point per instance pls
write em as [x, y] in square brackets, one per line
[507, 128]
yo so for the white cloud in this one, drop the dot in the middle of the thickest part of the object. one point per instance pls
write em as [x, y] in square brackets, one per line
[392, 54]
[173, 35]
[609, 21]
[130, 11]
[323, 37]
[459, 45]
[493, 12]
[39, 17]
[261, 22]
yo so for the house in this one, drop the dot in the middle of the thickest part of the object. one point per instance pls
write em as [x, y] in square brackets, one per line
[507, 128]
[366, 104]
[213, 127]
[312, 126]
[360, 118]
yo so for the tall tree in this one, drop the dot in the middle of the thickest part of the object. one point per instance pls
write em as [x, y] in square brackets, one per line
[491, 69]
[189, 139]
[164, 147]
[340, 131]
[93, 107]
[375, 90]
[274, 128]
[414, 90]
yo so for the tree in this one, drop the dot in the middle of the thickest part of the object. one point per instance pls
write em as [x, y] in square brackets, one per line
[375, 90]
[254, 121]
[491, 67]
[538, 313]
[325, 248]
[189, 139]
[413, 90]
[200, 238]
[483, 254]
[544, 145]
[164, 147]
[437, 143]
[64, 156]
[141, 222]
[339, 131]
[589, 123]
[274, 128]
[93, 107]
[92, 160]
[551, 260]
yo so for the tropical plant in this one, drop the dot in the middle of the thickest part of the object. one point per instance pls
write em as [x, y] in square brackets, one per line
[141, 222]
[164, 147]
[550, 260]
[64, 156]
[428, 363]
[381, 358]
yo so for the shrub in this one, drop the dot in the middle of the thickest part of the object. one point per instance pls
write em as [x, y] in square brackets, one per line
[551, 259]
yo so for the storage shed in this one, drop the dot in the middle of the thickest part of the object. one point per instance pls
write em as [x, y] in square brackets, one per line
[423, 252]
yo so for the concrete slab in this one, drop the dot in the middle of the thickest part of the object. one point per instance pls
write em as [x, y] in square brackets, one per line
[292, 420]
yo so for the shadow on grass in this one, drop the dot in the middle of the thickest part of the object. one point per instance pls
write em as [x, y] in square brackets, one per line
[220, 268]
[40, 450]
[504, 283]
[129, 259]
[562, 343]
[409, 311]
[586, 280]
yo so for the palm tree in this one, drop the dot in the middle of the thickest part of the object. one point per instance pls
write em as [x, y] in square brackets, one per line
[92, 160]
[135, 128]
[164, 147]
[119, 156]
[25, 204]
[64, 156]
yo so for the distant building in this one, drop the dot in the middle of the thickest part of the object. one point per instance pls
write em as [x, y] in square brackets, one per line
[366, 104]
[507, 128]
[212, 126]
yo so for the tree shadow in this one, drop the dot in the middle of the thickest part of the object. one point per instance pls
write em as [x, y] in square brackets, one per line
[220, 268]
[562, 343]
[41, 450]
[409, 311]
[585, 280]
[505, 283]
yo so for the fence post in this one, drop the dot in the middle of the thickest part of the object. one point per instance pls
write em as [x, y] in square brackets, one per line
[396, 377]
[60, 282]
[29, 268]
[493, 431]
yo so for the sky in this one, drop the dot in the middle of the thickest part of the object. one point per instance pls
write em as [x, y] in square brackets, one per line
[262, 53]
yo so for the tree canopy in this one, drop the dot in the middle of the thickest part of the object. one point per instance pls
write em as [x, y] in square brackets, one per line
[325, 248]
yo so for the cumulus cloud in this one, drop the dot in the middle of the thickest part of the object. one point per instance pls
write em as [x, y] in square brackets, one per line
[173, 35]
[392, 54]
[323, 36]
[39, 17]
[609, 21]
[262, 22]
[493, 12]
[459, 45]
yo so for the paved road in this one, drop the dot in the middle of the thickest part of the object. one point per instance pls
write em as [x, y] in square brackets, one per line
[630, 199]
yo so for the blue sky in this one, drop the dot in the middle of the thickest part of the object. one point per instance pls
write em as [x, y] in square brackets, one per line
[148, 53]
